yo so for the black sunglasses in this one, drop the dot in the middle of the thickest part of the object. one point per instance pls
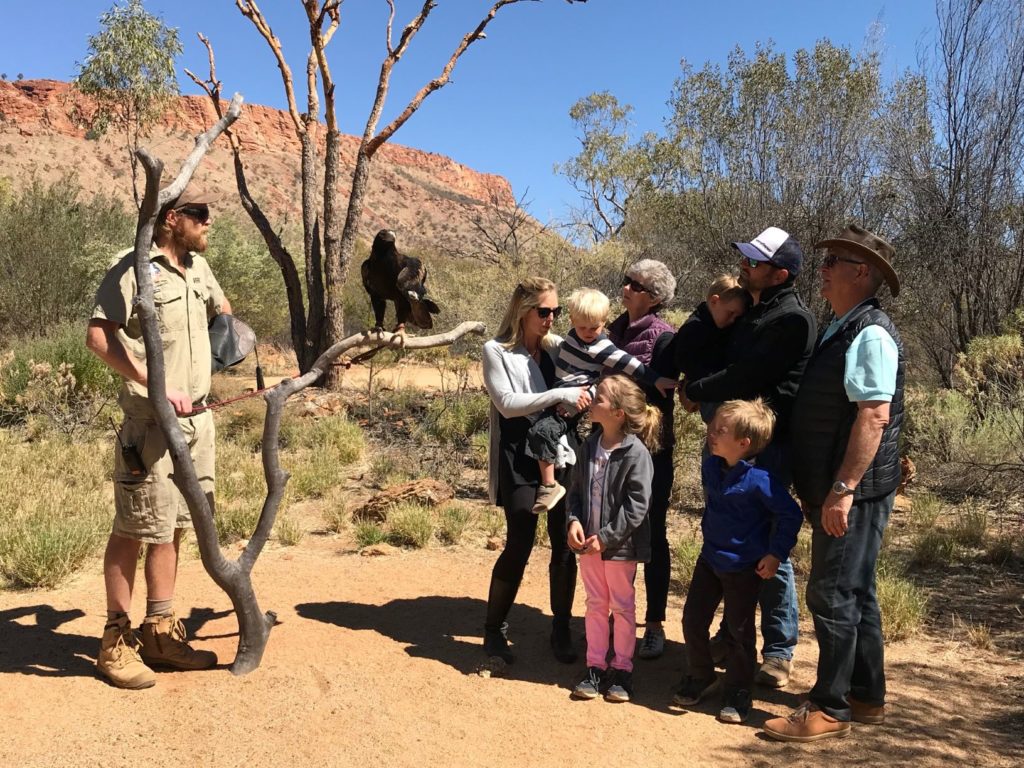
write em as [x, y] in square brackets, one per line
[543, 312]
[831, 259]
[199, 213]
[754, 263]
[633, 285]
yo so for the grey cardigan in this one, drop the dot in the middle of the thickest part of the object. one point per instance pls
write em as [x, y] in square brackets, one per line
[517, 388]
[624, 530]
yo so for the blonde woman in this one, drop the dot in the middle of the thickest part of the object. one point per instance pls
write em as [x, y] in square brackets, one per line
[518, 372]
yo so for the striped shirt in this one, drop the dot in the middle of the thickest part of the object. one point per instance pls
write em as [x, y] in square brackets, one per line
[580, 364]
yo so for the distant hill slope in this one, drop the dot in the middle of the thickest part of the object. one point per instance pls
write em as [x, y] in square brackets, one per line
[428, 198]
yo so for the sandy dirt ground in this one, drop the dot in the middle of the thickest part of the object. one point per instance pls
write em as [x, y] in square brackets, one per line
[375, 662]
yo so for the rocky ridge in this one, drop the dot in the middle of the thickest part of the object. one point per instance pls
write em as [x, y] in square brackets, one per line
[428, 198]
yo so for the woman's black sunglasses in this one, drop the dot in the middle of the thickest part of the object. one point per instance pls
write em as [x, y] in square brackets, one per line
[633, 285]
[543, 312]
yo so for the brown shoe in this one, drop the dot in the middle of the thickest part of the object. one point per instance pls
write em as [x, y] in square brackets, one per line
[869, 714]
[774, 672]
[806, 723]
[164, 644]
[119, 660]
[547, 497]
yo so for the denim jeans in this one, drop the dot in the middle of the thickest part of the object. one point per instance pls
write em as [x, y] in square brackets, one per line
[842, 599]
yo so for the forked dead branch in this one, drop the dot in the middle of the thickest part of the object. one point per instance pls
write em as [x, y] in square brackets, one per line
[234, 577]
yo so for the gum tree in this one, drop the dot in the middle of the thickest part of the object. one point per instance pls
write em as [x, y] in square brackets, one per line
[129, 72]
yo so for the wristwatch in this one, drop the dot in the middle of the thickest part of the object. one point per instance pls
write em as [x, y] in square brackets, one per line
[839, 488]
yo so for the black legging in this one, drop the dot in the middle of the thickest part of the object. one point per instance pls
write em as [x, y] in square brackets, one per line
[521, 525]
[659, 570]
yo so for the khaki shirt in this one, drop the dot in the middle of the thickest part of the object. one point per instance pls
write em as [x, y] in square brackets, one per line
[185, 303]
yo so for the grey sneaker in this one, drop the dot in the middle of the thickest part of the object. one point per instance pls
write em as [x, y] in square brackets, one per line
[692, 691]
[621, 687]
[653, 644]
[774, 672]
[590, 686]
[547, 497]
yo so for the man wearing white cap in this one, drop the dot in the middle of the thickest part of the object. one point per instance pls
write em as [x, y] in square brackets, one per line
[769, 350]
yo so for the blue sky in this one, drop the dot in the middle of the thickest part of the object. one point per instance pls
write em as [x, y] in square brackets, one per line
[506, 109]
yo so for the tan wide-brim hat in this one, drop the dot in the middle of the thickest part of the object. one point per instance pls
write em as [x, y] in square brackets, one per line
[861, 242]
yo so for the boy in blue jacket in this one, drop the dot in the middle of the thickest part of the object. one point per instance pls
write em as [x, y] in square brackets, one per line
[750, 525]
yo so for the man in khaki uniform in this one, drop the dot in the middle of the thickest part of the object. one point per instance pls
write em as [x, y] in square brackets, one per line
[149, 507]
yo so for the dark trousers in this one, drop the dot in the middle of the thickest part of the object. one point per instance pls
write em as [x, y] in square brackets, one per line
[740, 590]
[659, 570]
[521, 527]
[842, 599]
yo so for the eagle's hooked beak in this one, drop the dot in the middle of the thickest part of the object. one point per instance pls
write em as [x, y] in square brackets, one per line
[413, 295]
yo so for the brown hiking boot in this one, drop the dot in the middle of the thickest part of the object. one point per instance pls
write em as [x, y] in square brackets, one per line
[547, 497]
[806, 723]
[774, 672]
[164, 644]
[869, 714]
[119, 659]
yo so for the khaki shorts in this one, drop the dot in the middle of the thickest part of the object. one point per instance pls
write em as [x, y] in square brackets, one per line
[149, 509]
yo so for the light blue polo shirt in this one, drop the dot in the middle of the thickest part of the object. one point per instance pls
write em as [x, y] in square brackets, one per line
[871, 362]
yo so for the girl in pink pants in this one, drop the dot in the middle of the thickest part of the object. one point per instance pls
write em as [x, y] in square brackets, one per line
[608, 528]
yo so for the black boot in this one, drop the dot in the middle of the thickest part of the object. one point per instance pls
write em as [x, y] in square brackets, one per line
[561, 642]
[496, 643]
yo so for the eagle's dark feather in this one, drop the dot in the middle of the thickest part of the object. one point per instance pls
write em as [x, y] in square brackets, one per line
[387, 274]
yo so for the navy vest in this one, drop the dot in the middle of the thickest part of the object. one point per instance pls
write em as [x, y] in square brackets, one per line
[823, 417]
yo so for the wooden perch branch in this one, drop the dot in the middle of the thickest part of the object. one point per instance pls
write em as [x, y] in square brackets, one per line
[233, 578]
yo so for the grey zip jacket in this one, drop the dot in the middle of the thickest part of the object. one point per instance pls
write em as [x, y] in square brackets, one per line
[625, 531]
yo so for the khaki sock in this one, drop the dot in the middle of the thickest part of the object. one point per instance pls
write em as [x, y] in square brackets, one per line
[159, 607]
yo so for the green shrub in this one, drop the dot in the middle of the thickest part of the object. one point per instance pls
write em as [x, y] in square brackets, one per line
[45, 548]
[1000, 550]
[314, 475]
[479, 444]
[410, 525]
[289, 531]
[685, 550]
[936, 423]
[493, 522]
[801, 554]
[56, 507]
[369, 533]
[334, 436]
[336, 517]
[933, 547]
[971, 525]
[56, 378]
[235, 522]
[452, 523]
[925, 510]
[387, 469]
[902, 603]
[456, 419]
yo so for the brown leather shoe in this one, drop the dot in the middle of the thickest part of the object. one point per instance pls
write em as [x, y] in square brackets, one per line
[806, 723]
[164, 644]
[869, 714]
[119, 661]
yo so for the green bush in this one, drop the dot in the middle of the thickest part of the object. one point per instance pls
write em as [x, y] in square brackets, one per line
[44, 548]
[452, 524]
[54, 248]
[970, 525]
[925, 510]
[56, 508]
[56, 378]
[902, 603]
[685, 551]
[289, 531]
[313, 475]
[455, 419]
[934, 547]
[936, 424]
[369, 533]
[334, 436]
[410, 525]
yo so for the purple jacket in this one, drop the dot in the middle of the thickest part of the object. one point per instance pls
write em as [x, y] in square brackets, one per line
[638, 338]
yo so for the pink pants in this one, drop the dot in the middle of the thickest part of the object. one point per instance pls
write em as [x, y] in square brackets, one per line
[609, 585]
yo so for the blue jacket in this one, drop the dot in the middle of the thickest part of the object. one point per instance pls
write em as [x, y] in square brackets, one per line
[743, 502]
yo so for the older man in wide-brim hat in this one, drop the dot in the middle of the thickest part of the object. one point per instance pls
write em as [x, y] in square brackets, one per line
[845, 425]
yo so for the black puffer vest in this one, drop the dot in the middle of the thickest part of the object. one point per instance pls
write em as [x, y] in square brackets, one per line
[823, 417]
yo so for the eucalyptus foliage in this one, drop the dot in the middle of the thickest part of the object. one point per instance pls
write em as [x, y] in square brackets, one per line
[129, 71]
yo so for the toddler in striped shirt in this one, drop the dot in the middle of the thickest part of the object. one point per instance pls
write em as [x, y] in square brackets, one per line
[584, 355]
